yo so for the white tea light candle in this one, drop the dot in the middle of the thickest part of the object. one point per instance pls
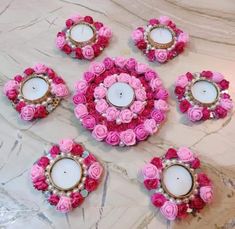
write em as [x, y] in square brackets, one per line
[81, 33]
[161, 35]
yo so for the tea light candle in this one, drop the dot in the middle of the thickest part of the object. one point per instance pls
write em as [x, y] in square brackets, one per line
[66, 173]
[81, 32]
[34, 88]
[161, 35]
[204, 91]
[120, 94]
[177, 180]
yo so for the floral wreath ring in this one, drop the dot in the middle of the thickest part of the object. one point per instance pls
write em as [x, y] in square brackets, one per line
[178, 187]
[138, 113]
[78, 165]
[36, 93]
[203, 95]
[83, 38]
[161, 40]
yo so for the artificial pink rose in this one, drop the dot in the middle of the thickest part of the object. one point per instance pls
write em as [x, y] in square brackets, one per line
[80, 111]
[64, 204]
[128, 137]
[153, 21]
[150, 75]
[97, 68]
[124, 78]
[155, 83]
[158, 116]
[53, 199]
[126, 116]
[27, 112]
[169, 210]
[43, 161]
[206, 193]
[100, 132]
[182, 81]
[130, 64]
[79, 98]
[109, 81]
[185, 154]
[150, 171]
[36, 172]
[81, 86]
[60, 90]
[161, 55]
[89, 122]
[140, 94]
[137, 35]
[66, 145]
[95, 170]
[88, 76]
[164, 20]
[158, 200]
[40, 68]
[120, 61]
[101, 105]
[54, 151]
[137, 107]
[217, 77]
[60, 42]
[88, 52]
[140, 132]
[105, 32]
[227, 104]
[41, 184]
[135, 83]
[162, 93]
[113, 138]
[194, 114]
[161, 105]
[76, 18]
[108, 62]
[150, 125]
[10, 85]
[141, 68]
[183, 37]
[112, 113]
[100, 92]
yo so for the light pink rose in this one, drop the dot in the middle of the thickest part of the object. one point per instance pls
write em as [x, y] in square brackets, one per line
[128, 137]
[155, 83]
[80, 111]
[36, 172]
[141, 68]
[10, 85]
[100, 92]
[126, 116]
[182, 81]
[150, 171]
[113, 138]
[227, 104]
[206, 193]
[185, 154]
[27, 112]
[101, 105]
[217, 77]
[100, 132]
[135, 83]
[161, 55]
[112, 113]
[137, 35]
[40, 68]
[194, 114]
[120, 61]
[137, 107]
[66, 145]
[164, 20]
[169, 210]
[161, 105]
[124, 78]
[64, 205]
[97, 68]
[161, 93]
[109, 81]
[95, 170]
[88, 52]
[76, 18]
[59, 90]
[183, 37]
[150, 125]
[140, 94]
[60, 42]
[105, 32]
[81, 86]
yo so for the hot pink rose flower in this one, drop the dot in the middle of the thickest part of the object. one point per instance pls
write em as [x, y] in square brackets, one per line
[217, 77]
[137, 107]
[100, 92]
[66, 145]
[206, 193]
[141, 133]
[81, 86]
[161, 55]
[113, 138]
[150, 171]
[112, 113]
[195, 114]
[150, 75]
[135, 83]
[161, 105]
[140, 94]
[109, 81]
[80, 111]
[27, 112]
[97, 68]
[130, 64]
[88, 52]
[183, 37]
[162, 93]
[164, 20]
[88, 76]
[100, 132]
[158, 116]
[128, 137]
[169, 210]
[95, 170]
[137, 35]
[40, 68]
[150, 125]
[10, 85]
[36, 172]
[141, 68]
[89, 122]
[158, 200]
[59, 90]
[120, 61]
[76, 18]
[124, 77]
[64, 204]
[155, 83]
[126, 116]
[54, 151]
[185, 154]
[182, 81]
[105, 32]
[227, 104]
[60, 42]
[101, 105]
[79, 98]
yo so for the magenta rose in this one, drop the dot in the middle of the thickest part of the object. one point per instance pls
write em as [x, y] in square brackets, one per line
[80, 111]
[150, 126]
[101, 105]
[162, 93]
[128, 137]
[206, 193]
[54, 151]
[41, 184]
[81, 86]
[97, 68]
[158, 200]
[140, 94]
[100, 132]
[108, 62]
[141, 133]
[113, 138]
[185, 154]
[130, 64]
[137, 35]
[95, 170]
[195, 114]
[88, 76]
[126, 116]
[79, 98]
[112, 113]
[158, 116]
[161, 105]
[88, 52]
[89, 122]
[150, 75]
[64, 205]
[161, 56]
[100, 92]
[137, 107]
[169, 210]
[150, 171]
[66, 145]
[27, 112]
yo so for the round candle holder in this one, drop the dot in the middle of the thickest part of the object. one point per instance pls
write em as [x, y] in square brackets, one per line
[36, 93]
[178, 187]
[66, 175]
[83, 38]
[120, 101]
[203, 95]
[160, 40]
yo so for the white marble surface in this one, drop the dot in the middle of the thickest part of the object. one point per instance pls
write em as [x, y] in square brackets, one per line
[27, 33]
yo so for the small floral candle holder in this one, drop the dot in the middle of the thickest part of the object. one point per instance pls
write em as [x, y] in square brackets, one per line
[36, 93]
[203, 95]
[121, 101]
[66, 175]
[178, 187]
[160, 40]
[83, 38]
